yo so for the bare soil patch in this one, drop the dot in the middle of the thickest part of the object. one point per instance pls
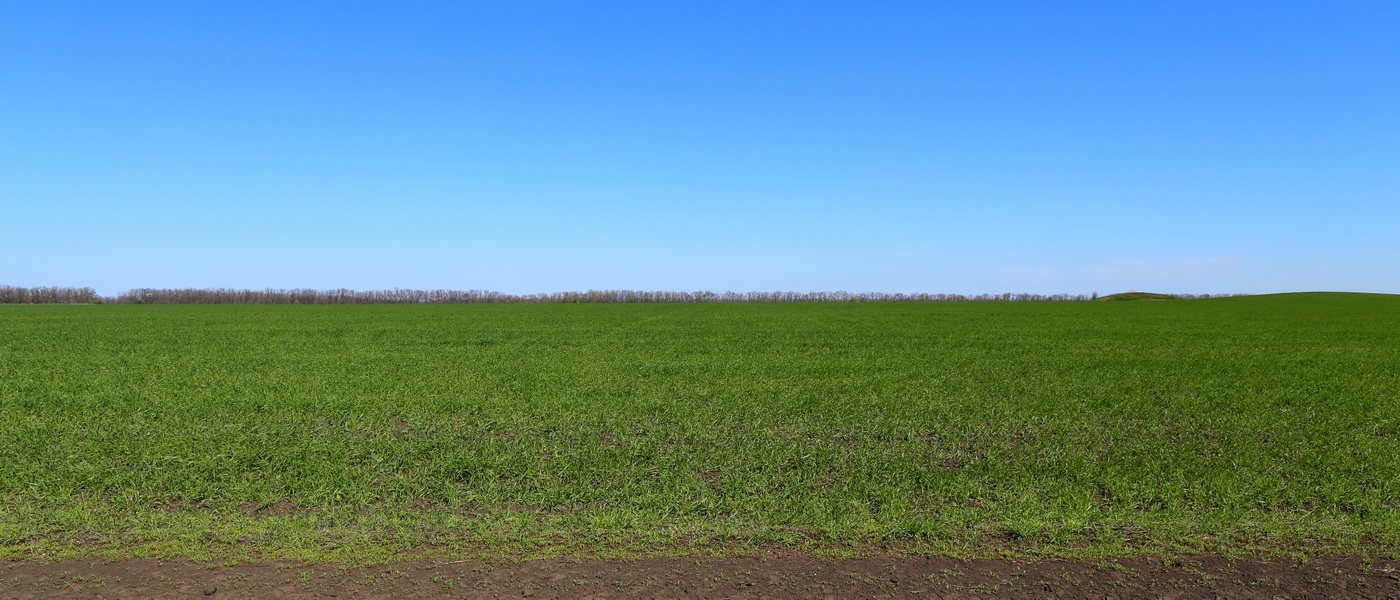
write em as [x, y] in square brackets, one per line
[767, 576]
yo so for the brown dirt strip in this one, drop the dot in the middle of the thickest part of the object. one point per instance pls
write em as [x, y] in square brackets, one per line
[772, 576]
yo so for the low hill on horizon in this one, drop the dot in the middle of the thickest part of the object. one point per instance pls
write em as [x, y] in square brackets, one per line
[1138, 296]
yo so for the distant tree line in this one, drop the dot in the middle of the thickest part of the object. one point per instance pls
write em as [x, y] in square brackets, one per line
[70, 295]
[47, 295]
[398, 296]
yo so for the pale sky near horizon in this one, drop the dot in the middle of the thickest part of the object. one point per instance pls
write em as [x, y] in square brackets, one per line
[958, 147]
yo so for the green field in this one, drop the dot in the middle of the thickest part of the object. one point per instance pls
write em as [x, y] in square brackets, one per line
[1264, 423]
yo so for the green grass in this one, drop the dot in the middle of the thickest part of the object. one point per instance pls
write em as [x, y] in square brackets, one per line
[1263, 423]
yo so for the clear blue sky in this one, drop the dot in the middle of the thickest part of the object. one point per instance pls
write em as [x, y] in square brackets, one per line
[928, 146]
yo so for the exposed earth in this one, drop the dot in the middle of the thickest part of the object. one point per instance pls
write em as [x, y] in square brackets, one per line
[763, 576]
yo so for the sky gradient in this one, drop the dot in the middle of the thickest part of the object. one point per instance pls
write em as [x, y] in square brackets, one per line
[942, 147]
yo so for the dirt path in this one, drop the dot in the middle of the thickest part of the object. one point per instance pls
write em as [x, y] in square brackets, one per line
[773, 576]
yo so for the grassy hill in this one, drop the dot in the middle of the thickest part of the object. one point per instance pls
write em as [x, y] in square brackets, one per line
[1138, 296]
